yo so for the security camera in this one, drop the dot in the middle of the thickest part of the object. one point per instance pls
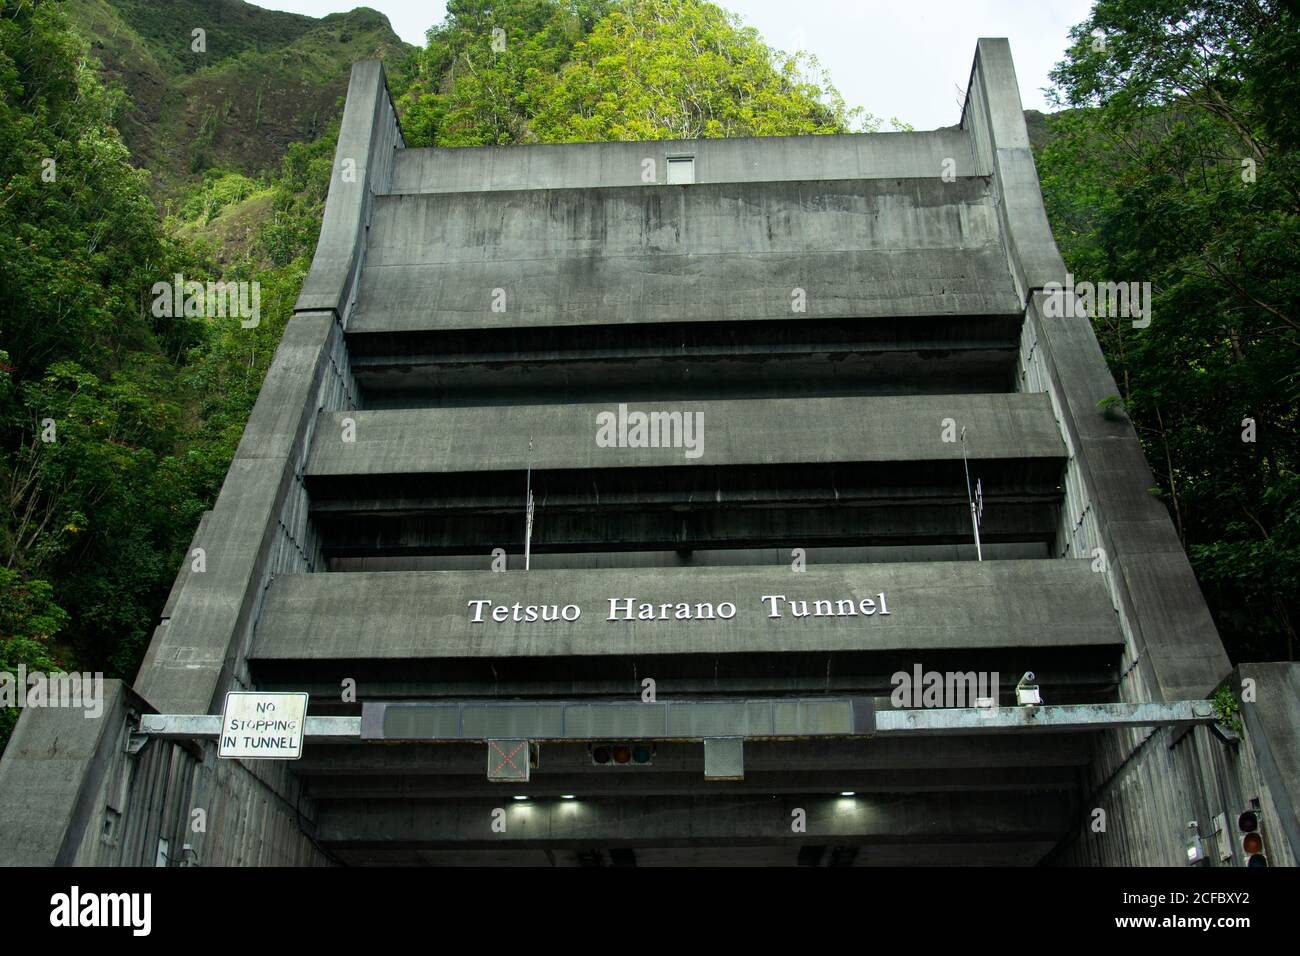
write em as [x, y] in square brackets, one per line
[1027, 694]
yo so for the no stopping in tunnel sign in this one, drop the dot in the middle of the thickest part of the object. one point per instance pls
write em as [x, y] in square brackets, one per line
[263, 726]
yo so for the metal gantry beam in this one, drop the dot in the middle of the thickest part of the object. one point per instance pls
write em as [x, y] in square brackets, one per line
[700, 720]
[208, 727]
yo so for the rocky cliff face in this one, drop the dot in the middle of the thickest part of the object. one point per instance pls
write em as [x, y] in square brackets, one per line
[233, 95]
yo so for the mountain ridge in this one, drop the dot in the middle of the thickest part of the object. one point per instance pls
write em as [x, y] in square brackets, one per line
[263, 80]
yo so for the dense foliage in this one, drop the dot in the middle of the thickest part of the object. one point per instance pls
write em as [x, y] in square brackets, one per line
[86, 403]
[117, 426]
[1180, 166]
[593, 70]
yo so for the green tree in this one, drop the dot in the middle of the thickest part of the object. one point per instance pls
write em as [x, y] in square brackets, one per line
[29, 618]
[88, 416]
[685, 69]
[500, 72]
[488, 68]
[1178, 165]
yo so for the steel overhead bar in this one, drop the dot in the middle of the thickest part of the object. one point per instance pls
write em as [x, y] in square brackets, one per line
[208, 727]
[752, 719]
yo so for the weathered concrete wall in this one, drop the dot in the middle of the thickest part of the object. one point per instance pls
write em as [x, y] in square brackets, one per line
[369, 139]
[683, 253]
[757, 431]
[258, 526]
[1174, 651]
[868, 228]
[425, 614]
[1152, 783]
[766, 159]
[84, 798]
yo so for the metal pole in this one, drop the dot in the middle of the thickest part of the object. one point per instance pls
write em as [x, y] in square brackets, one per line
[528, 510]
[970, 499]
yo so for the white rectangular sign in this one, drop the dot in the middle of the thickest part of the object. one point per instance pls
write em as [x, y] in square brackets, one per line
[263, 726]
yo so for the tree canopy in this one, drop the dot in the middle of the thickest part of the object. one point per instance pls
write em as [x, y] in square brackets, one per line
[1177, 164]
[593, 70]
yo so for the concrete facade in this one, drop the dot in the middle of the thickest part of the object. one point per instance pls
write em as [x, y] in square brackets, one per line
[853, 322]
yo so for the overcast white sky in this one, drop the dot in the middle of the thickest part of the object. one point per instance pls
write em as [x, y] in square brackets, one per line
[907, 59]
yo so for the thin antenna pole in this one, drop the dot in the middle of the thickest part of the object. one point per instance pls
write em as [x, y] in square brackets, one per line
[528, 509]
[970, 499]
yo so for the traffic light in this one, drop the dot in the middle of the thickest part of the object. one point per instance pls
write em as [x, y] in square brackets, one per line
[622, 754]
[1252, 836]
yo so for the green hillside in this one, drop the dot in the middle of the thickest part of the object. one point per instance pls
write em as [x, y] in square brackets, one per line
[266, 79]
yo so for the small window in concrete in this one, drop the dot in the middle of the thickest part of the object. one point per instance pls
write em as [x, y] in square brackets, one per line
[681, 170]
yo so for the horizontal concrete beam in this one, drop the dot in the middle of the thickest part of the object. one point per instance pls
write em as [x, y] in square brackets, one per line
[429, 615]
[725, 433]
[727, 819]
[706, 253]
[745, 159]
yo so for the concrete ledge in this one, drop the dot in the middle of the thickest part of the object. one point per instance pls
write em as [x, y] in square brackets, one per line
[363, 162]
[995, 121]
[748, 159]
[1156, 591]
[51, 775]
[761, 431]
[701, 253]
[421, 615]
[202, 642]
[1175, 640]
